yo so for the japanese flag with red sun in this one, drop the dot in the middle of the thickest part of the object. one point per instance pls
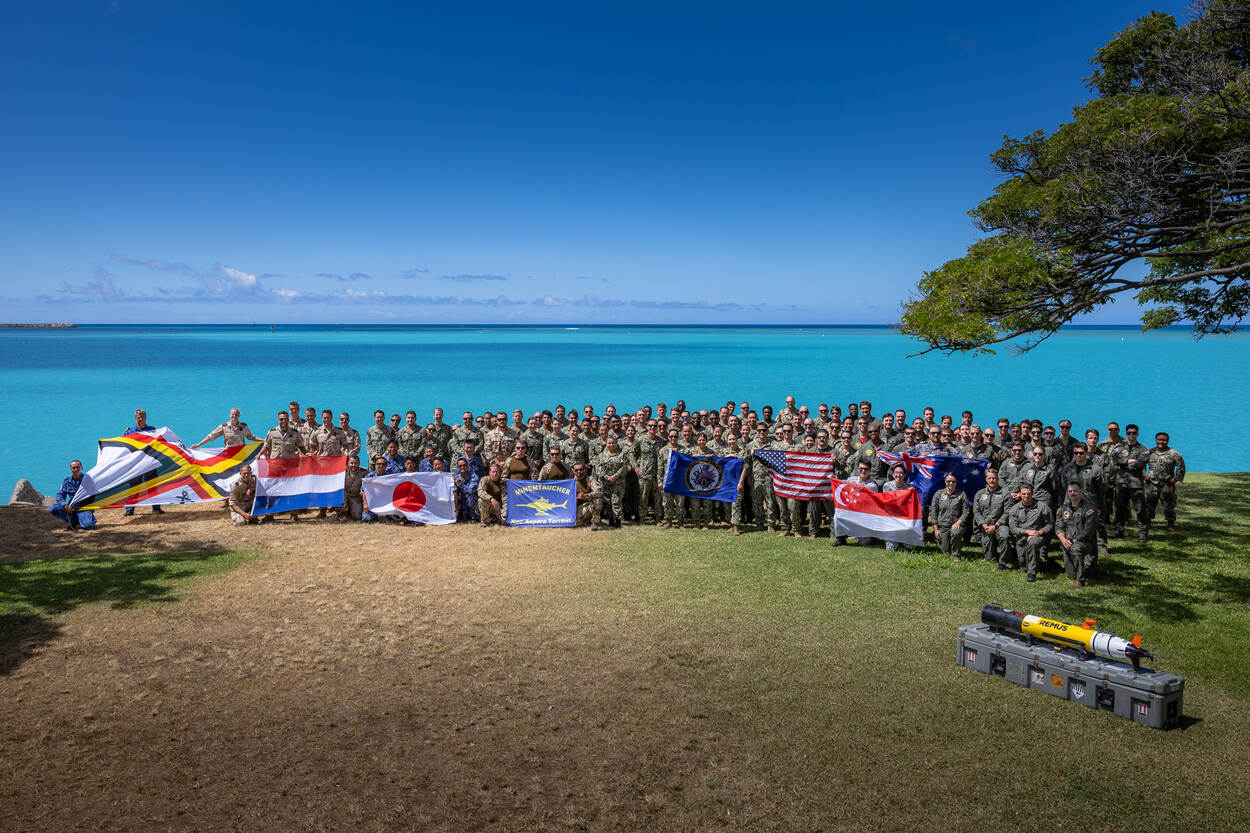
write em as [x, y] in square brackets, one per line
[424, 497]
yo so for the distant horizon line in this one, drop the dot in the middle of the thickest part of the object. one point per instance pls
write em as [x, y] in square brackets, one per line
[519, 325]
[515, 325]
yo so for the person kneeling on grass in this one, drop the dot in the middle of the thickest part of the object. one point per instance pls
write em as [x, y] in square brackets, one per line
[490, 496]
[76, 519]
[242, 498]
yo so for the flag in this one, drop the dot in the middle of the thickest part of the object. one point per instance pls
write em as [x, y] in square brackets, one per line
[154, 468]
[710, 478]
[803, 475]
[284, 484]
[541, 502]
[927, 472]
[863, 513]
[422, 496]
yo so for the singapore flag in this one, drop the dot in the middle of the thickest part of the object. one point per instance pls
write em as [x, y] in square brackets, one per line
[863, 513]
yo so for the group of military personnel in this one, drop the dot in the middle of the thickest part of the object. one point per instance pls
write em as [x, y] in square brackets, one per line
[1043, 484]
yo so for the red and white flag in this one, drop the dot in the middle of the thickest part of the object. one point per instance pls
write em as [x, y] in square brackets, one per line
[284, 484]
[425, 497]
[863, 513]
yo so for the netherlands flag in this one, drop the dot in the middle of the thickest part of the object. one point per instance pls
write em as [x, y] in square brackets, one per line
[284, 484]
[863, 513]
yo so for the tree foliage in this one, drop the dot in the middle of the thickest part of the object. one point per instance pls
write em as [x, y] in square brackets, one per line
[1154, 170]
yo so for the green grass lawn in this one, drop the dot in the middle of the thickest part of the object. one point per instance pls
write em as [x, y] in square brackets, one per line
[47, 587]
[817, 688]
[835, 670]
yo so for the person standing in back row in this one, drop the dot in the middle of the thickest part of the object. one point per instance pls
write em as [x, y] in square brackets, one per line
[1165, 468]
[141, 427]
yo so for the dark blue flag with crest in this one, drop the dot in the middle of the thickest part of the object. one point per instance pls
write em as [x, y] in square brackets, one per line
[927, 472]
[710, 478]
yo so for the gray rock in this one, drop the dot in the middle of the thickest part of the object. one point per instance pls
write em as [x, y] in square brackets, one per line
[25, 493]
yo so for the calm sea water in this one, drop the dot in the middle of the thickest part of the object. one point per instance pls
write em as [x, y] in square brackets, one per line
[62, 390]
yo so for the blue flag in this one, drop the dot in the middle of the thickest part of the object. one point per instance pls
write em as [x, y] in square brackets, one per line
[927, 472]
[710, 478]
[541, 502]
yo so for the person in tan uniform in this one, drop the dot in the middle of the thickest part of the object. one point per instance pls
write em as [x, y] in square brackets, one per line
[308, 425]
[328, 440]
[351, 437]
[284, 441]
[233, 432]
[242, 496]
[555, 468]
[353, 501]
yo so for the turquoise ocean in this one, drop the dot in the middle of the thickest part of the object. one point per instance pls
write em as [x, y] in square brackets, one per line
[63, 389]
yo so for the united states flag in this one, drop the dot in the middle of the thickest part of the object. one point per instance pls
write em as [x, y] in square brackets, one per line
[805, 475]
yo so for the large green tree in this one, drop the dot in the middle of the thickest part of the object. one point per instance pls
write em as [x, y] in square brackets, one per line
[1153, 172]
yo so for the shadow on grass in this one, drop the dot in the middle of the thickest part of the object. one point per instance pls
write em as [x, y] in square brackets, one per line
[1211, 521]
[1128, 591]
[33, 591]
[21, 637]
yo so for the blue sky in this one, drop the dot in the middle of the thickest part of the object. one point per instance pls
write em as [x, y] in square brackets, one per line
[563, 162]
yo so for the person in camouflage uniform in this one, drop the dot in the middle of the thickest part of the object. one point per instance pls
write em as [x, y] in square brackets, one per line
[378, 435]
[949, 516]
[574, 448]
[743, 495]
[1129, 459]
[1030, 522]
[759, 481]
[1165, 468]
[674, 505]
[351, 437]
[596, 444]
[646, 450]
[589, 498]
[786, 519]
[411, 436]
[497, 443]
[1076, 527]
[466, 430]
[535, 447]
[610, 466]
[700, 508]
[818, 510]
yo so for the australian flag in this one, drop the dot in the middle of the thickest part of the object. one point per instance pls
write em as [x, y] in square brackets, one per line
[927, 472]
